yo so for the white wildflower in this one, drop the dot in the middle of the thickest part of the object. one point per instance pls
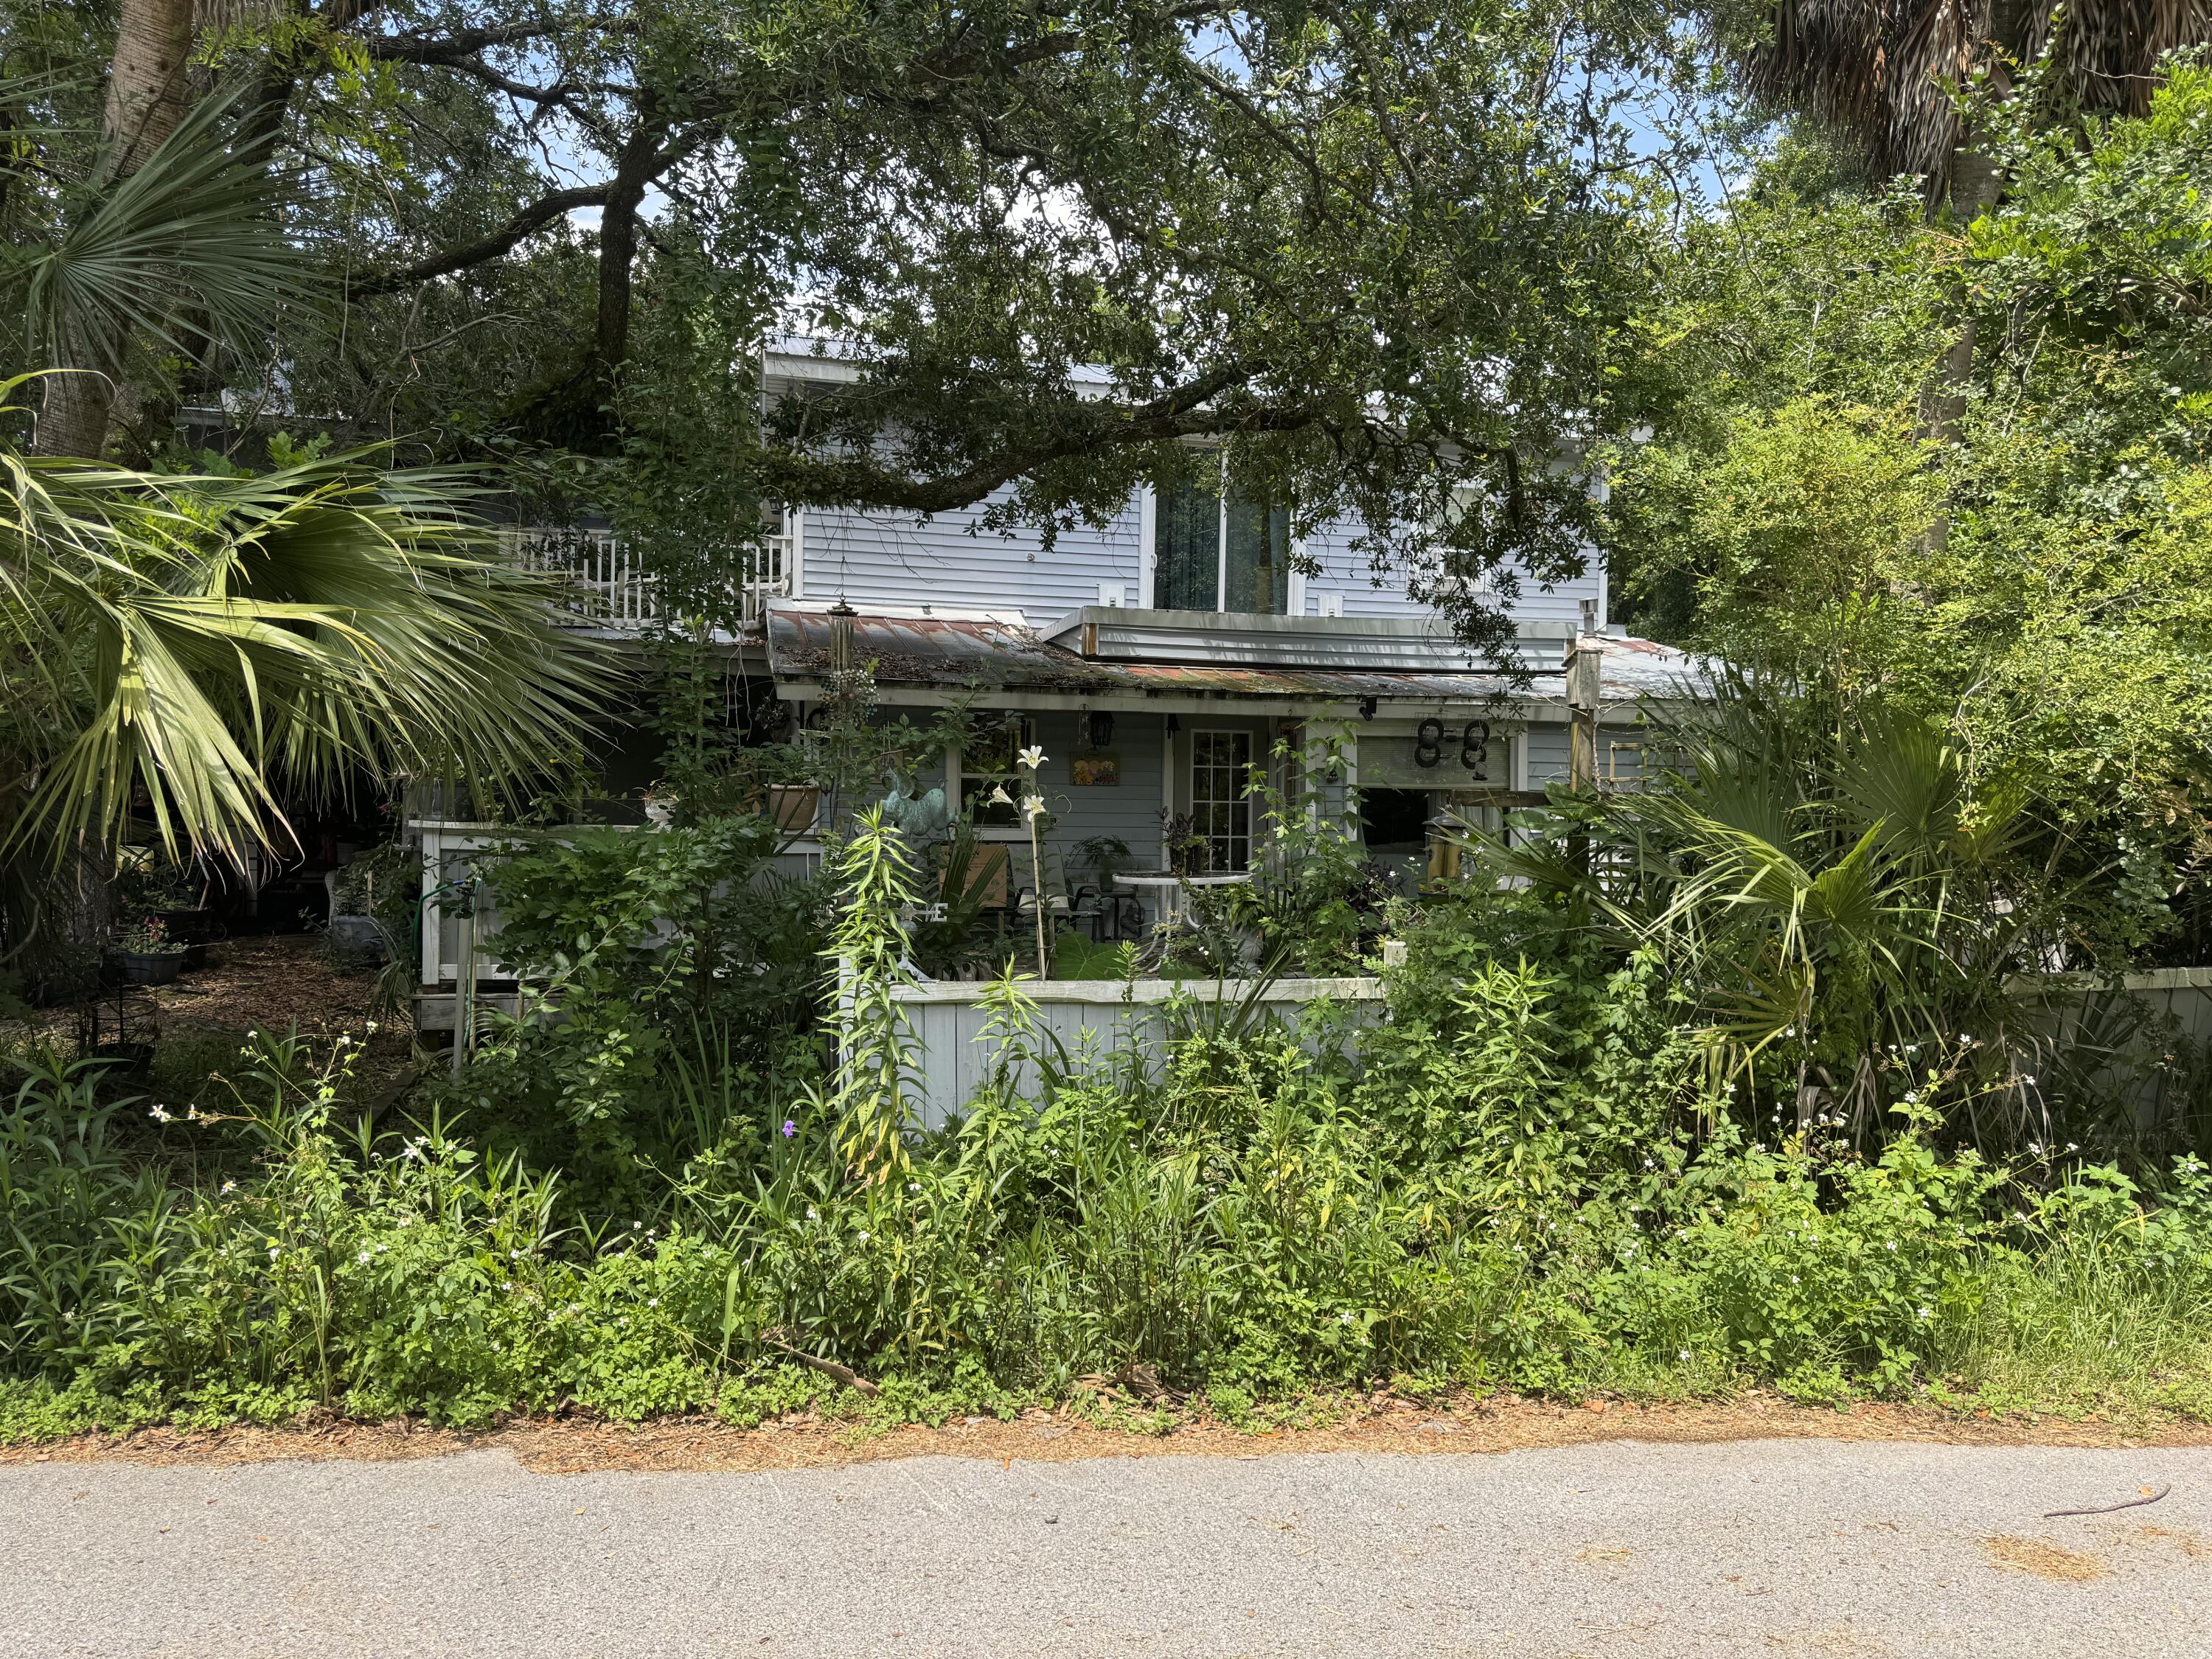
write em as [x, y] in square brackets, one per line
[1033, 756]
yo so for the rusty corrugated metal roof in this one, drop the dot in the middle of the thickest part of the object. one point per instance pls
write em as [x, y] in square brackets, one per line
[996, 654]
[933, 651]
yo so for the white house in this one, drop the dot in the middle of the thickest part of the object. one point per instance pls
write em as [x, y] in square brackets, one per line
[1156, 660]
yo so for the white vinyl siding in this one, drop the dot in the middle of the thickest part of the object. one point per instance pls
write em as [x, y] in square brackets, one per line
[1345, 570]
[892, 559]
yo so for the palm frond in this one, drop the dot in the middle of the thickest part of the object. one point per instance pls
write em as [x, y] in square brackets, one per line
[186, 249]
[1888, 78]
[203, 641]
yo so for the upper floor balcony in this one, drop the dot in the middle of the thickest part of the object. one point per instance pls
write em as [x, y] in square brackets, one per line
[608, 587]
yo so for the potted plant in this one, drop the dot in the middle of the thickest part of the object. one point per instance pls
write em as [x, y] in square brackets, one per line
[370, 899]
[146, 954]
[1186, 847]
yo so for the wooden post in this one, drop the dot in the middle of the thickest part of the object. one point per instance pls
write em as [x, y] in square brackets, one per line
[1584, 658]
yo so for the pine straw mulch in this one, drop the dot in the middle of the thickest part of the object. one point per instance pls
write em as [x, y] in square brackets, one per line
[267, 983]
[1380, 1425]
[270, 982]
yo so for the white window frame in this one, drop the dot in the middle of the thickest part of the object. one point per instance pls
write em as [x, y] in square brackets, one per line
[1241, 802]
[1148, 506]
[1484, 586]
[956, 784]
[1294, 598]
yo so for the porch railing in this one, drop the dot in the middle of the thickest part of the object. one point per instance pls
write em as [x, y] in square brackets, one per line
[610, 587]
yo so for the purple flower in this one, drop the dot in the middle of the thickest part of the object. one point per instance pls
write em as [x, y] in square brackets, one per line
[789, 1128]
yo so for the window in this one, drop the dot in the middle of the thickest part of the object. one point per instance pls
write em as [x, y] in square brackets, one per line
[1463, 514]
[1212, 553]
[987, 762]
[1220, 809]
[1394, 820]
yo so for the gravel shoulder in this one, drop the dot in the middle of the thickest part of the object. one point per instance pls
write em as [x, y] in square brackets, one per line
[1379, 1424]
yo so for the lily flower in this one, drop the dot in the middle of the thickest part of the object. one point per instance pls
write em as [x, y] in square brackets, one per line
[1033, 756]
[1034, 806]
[1000, 797]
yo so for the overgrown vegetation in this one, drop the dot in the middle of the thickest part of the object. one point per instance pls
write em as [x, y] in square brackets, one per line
[1532, 1174]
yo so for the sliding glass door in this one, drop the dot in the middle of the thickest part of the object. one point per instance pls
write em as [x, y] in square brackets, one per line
[1213, 554]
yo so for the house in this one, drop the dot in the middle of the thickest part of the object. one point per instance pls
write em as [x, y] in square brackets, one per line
[1156, 660]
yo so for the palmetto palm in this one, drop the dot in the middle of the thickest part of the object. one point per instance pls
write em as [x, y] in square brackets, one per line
[1885, 74]
[188, 647]
[191, 647]
[1835, 902]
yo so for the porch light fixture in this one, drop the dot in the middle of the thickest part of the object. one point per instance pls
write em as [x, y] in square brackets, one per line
[1367, 708]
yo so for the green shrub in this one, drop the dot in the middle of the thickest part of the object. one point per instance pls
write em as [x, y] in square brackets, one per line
[1522, 1178]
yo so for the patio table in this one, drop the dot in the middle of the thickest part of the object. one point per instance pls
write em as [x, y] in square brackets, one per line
[1162, 890]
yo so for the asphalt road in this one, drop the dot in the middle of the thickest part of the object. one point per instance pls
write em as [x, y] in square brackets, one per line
[1790, 1547]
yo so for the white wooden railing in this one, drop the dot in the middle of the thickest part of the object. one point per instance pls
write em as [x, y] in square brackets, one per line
[610, 588]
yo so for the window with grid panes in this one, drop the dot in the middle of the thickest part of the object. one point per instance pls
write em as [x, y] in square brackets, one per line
[1220, 809]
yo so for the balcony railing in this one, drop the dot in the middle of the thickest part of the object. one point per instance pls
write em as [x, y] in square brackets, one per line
[608, 587]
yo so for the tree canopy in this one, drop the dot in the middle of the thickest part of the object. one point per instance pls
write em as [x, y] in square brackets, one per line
[2034, 572]
[1373, 251]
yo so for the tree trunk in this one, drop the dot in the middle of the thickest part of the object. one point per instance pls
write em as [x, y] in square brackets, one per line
[635, 170]
[147, 96]
[73, 413]
[1975, 189]
[146, 82]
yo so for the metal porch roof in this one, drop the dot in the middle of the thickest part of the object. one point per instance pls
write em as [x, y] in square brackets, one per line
[980, 654]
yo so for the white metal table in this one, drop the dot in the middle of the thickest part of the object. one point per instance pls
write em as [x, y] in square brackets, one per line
[1162, 890]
